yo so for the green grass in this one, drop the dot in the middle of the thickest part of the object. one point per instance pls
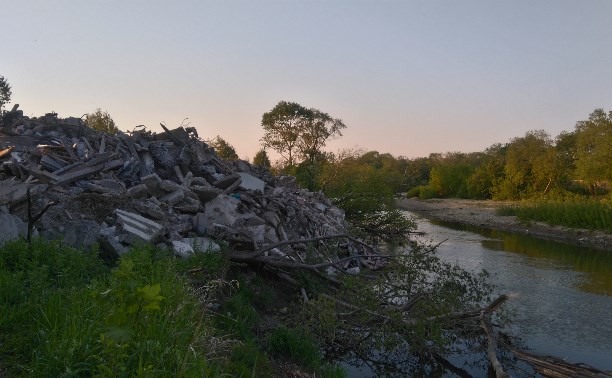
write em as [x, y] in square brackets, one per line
[64, 313]
[589, 214]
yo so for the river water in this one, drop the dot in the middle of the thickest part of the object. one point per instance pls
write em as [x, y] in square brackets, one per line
[564, 303]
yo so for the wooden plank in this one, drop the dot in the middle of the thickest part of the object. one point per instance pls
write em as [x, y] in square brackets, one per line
[68, 148]
[77, 175]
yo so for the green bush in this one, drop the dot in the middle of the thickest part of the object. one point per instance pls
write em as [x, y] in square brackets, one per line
[427, 192]
[589, 214]
[414, 192]
[296, 346]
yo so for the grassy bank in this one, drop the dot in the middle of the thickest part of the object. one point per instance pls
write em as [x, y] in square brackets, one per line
[592, 214]
[65, 312]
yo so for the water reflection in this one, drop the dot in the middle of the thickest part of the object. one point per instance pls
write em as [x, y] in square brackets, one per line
[547, 254]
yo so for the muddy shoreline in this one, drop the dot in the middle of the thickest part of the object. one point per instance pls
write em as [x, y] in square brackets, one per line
[482, 214]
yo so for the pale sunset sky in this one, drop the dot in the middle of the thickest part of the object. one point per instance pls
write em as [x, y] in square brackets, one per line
[406, 77]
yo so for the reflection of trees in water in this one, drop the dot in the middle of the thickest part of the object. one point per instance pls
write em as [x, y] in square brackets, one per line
[549, 254]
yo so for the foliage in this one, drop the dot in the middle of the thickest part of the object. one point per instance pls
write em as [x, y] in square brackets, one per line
[5, 92]
[224, 149]
[66, 314]
[296, 132]
[387, 321]
[261, 158]
[592, 214]
[296, 345]
[366, 194]
[594, 147]
[101, 121]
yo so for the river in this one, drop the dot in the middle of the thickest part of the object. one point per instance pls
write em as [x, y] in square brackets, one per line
[564, 302]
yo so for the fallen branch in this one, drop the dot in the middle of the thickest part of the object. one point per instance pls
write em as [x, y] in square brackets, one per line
[557, 368]
[492, 348]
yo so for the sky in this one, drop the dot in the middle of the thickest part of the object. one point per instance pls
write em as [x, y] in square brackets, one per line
[408, 78]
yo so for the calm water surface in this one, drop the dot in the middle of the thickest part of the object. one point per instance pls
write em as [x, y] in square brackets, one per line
[564, 307]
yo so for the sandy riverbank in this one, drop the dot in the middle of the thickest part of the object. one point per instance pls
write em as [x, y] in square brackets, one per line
[482, 214]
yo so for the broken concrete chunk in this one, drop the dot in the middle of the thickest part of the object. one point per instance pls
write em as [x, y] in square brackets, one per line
[139, 227]
[173, 198]
[12, 191]
[250, 182]
[138, 191]
[271, 218]
[149, 208]
[226, 181]
[152, 182]
[206, 193]
[182, 249]
[11, 227]
[222, 210]
[169, 186]
[199, 181]
[188, 205]
[202, 244]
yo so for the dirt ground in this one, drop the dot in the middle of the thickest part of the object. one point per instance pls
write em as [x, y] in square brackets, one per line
[482, 214]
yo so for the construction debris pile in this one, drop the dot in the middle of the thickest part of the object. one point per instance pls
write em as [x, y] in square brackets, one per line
[169, 188]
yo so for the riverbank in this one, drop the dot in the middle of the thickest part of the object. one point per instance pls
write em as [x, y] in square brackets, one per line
[482, 213]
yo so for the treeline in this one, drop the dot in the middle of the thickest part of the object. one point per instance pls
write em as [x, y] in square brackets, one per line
[573, 164]
[532, 166]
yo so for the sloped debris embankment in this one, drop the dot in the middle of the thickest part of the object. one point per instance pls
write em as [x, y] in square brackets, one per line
[169, 188]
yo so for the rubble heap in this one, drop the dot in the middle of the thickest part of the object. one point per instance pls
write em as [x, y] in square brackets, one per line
[169, 187]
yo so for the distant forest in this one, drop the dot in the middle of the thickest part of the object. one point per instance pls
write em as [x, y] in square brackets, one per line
[573, 164]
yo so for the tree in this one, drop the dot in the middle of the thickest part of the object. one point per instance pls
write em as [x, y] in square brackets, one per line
[5, 92]
[283, 126]
[224, 149]
[261, 158]
[297, 132]
[319, 128]
[594, 147]
[101, 121]
[527, 169]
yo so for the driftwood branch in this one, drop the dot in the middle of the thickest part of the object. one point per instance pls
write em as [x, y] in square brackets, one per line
[557, 368]
[492, 348]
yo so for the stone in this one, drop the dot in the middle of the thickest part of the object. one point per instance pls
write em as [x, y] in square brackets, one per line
[222, 210]
[199, 181]
[186, 183]
[226, 181]
[320, 207]
[169, 186]
[152, 182]
[203, 244]
[12, 191]
[250, 219]
[138, 191]
[272, 218]
[81, 233]
[353, 271]
[182, 249]
[206, 193]
[188, 205]
[109, 243]
[173, 198]
[11, 227]
[258, 234]
[149, 208]
[139, 227]
[250, 182]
